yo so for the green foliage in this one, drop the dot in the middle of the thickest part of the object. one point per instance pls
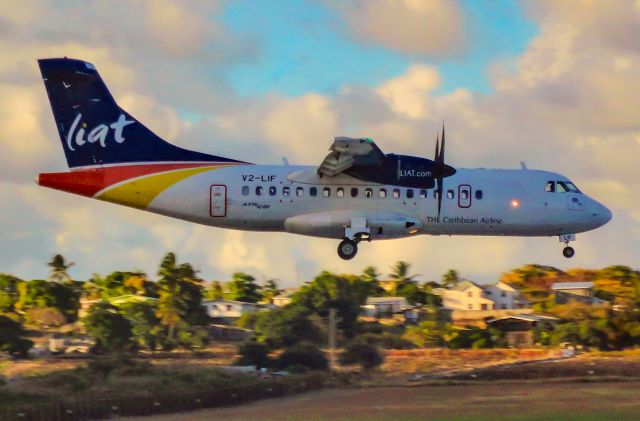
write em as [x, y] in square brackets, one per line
[8, 291]
[303, 354]
[363, 354]
[244, 288]
[431, 333]
[40, 293]
[286, 326]
[180, 293]
[119, 283]
[450, 279]
[111, 330]
[345, 293]
[254, 353]
[11, 340]
[270, 290]
[145, 324]
[215, 292]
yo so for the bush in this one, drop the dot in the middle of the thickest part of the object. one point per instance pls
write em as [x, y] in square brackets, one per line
[363, 354]
[45, 317]
[11, 340]
[254, 353]
[386, 340]
[304, 354]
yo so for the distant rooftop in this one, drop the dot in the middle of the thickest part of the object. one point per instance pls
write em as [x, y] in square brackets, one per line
[571, 285]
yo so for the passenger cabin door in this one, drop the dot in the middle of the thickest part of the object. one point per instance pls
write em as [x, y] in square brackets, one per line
[464, 196]
[218, 201]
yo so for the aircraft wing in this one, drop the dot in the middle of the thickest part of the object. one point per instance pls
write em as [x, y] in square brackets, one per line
[347, 152]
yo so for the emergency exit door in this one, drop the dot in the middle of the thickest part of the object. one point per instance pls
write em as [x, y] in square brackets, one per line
[218, 201]
[464, 196]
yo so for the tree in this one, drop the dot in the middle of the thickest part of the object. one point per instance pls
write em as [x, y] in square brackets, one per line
[145, 330]
[270, 290]
[363, 354]
[303, 355]
[371, 277]
[215, 292]
[244, 288]
[8, 291]
[11, 338]
[180, 295]
[254, 353]
[286, 326]
[59, 268]
[400, 273]
[40, 293]
[450, 279]
[119, 283]
[111, 330]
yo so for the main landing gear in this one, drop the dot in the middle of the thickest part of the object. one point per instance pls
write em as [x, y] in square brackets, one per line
[568, 251]
[354, 233]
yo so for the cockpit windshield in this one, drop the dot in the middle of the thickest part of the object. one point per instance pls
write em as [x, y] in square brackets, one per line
[561, 187]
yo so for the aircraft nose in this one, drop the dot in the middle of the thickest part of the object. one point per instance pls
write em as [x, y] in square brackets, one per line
[601, 213]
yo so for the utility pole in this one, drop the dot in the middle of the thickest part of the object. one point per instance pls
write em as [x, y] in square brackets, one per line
[332, 337]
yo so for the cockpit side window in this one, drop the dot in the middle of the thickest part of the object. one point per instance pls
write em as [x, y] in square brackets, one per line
[570, 186]
[561, 187]
[550, 187]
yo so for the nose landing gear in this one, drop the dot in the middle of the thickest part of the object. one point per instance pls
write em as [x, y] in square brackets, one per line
[568, 251]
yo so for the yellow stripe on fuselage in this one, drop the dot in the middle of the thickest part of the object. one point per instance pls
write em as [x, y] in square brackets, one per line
[140, 192]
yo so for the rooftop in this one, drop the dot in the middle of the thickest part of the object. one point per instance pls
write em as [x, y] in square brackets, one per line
[572, 285]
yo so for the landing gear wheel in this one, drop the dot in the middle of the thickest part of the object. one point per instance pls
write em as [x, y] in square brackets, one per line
[347, 249]
[568, 252]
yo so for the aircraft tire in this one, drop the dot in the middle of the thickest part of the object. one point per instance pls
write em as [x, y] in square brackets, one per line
[568, 252]
[347, 249]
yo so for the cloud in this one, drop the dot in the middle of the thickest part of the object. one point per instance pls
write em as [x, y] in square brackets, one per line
[424, 27]
[407, 94]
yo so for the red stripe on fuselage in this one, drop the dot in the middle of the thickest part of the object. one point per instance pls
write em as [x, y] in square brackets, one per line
[90, 182]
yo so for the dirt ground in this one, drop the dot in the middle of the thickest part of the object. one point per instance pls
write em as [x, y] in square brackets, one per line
[493, 401]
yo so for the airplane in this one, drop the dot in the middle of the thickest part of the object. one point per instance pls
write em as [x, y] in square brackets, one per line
[357, 193]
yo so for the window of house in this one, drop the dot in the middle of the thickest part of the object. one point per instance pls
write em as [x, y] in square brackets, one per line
[409, 193]
[272, 190]
[470, 306]
[340, 192]
[488, 292]
[228, 307]
[469, 294]
[245, 190]
[396, 193]
[479, 194]
[550, 187]
[326, 192]
[423, 194]
[313, 191]
[354, 192]
[382, 193]
[503, 306]
[285, 191]
[259, 190]
[368, 193]
[503, 294]
[450, 194]
[299, 191]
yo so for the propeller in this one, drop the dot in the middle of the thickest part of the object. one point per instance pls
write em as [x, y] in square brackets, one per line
[440, 169]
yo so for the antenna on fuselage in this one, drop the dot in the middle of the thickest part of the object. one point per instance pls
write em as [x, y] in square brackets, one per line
[523, 166]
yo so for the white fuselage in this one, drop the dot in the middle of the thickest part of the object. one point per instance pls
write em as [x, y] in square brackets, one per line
[475, 202]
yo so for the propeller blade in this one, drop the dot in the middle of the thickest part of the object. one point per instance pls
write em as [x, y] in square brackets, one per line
[441, 154]
[439, 195]
[435, 157]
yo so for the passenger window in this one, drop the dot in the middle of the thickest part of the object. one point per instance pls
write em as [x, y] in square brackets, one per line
[409, 193]
[450, 194]
[396, 193]
[561, 188]
[423, 194]
[550, 187]
[479, 194]
[383, 193]
[245, 190]
[272, 191]
[313, 192]
[285, 191]
[464, 194]
[299, 191]
[326, 192]
[368, 193]
[340, 192]
[259, 191]
[354, 192]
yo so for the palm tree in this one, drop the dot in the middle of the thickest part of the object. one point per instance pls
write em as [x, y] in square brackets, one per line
[400, 273]
[270, 290]
[59, 269]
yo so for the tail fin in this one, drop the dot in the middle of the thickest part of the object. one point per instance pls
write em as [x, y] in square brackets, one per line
[94, 130]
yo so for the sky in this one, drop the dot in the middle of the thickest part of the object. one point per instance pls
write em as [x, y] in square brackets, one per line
[554, 84]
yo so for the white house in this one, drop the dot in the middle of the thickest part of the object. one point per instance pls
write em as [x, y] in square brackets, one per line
[284, 297]
[576, 291]
[390, 307]
[504, 296]
[229, 309]
[466, 295]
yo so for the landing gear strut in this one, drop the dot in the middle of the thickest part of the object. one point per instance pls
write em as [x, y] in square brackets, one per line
[347, 249]
[568, 251]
